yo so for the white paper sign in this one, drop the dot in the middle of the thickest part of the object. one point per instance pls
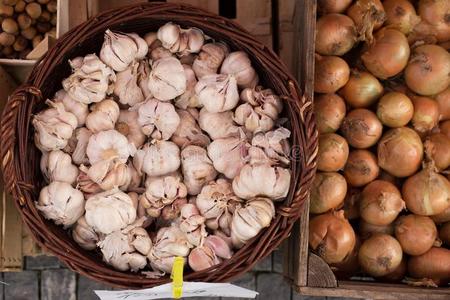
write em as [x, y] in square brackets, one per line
[190, 289]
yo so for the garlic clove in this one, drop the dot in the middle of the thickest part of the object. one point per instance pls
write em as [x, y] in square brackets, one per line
[218, 246]
[188, 132]
[118, 50]
[209, 59]
[188, 98]
[253, 121]
[167, 79]
[108, 174]
[217, 92]
[202, 258]
[239, 65]
[127, 124]
[197, 168]
[169, 34]
[274, 144]
[126, 86]
[141, 44]
[84, 235]
[82, 136]
[79, 109]
[103, 117]
[143, 73]
[218, 125]
[57, 166]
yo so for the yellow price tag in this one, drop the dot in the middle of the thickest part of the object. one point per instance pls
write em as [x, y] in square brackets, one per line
[177, 277]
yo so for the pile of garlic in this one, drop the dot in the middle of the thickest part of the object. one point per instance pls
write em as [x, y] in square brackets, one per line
[162, 146]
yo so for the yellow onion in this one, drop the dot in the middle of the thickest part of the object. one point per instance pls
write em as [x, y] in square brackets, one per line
[331, 73]
[351, 203]
[416, 234]
[437, 148]
[400, 15]
[426, 114]
[361, 168]
[395, 109]
[333, 152]
[362, 89]
[361, 128]
[350, 265]
[442, 217]
[444, 128]
[327, 192]
[332, 6]
[433, 265]
[390, 178]
[398, 274]
[366, 230]
[368, 15]
[434, 13]
[443, 100]
[335, 34]
[444, 233]
[330, 112]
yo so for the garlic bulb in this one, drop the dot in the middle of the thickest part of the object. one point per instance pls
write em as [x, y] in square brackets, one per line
[188, 132]
[159, 53]
[239, 65]
[247, 116]
[134, 180]
[268, 103]
[157, 158]
[143, 73]
[82, 136]
[127, 124]
[172, 211]
[262, 180]
[108, 173]
[84, 235]
[110, 211]
[158, 119]
[217, 92]
[54, 127]
[182, 41]
[57, 166]
[248, 220]
[103, 116]
[108, 145]
[209, 59]
[192, 223]
[142, 47]
[218, 125]
[60, 202]
[197, 168]
[87, 186]
[275, 144]
[150, 38]
[188, 98]
[167, 79]
[126, 86]
[79, 109]
[209, 254]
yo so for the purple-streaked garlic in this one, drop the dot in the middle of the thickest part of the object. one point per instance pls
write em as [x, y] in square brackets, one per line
[127, 124]
[262, 180]
[188, 98]
[108, 173]
[275, 144]
[217, 92]
[188, 132]
[157, 158]
[54, 127]
[197, 168]
[172, 211]
[167, 79]
[192, 223]
[209, 59]
[80, 141]
[84, 235]
[209, 254]
[108, 145]
[267, 102]
[239, 65]
[254, 121]
[126, 87]
[225, 237]
[87, 186]
[249, 219]
[79, 109]
[158, 119]
[181, 41]
[103, 116]
[60, 202]
[218, 125]
[57, 166]
[143, 73]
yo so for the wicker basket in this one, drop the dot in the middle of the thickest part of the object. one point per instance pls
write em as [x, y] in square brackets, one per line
[20, 161]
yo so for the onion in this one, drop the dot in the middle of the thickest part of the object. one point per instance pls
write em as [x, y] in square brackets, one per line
[361, 168]
[350, 265]
[366, 230]
[331, 74]
[426, 193]
[368, 15]
[380, 255]
[400, 15]
[327, 192]
[331, 236]
[443, 217]
[330, 112]
[436, 14]
[437, 148]
[333, 152]
[361, 128]
[335, 34]
[416, 234]
[434, 265]
[362, 89]
[444, 233]
[426, 114]
[400, 152]
[388, 54]
[443, 100]
[428, 70]
[389, 178]
[332, 6]
[395, 109]
[398, 274]
[444, 128]
[351, 203]
[380, 203]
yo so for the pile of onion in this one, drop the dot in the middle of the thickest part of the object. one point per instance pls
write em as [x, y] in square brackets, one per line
[437, 148]
[361, 128]
[426, 114]
[433, 265]
[362, 89]
[333, 152]
[361, 168]
[395, 109]
[416, 234]
[330, 112]
[335, 34]
[331, 73]
[400, 15]
[368, 16]
[328, 191]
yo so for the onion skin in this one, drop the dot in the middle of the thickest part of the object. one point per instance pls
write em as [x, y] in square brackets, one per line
[380, 255]
[444, 233]
[380, 203]
[333, 152]
[395, 109]
[366, 230]
[400, 15]
[435, 13]
[426, 114]
[327, 192]
[398, 274]
[331, 74]
[437, 148]
[350, 265]
[416, 234]
[335, 34]
[368, 16]
[434, 265]
[332, 6]
[444, 128]
[331, 236]
[390, 178]
[400, 152]
[388, 54]
[361, 128]
[330, 112]
[362, 89]
[351, 203]
[428, 69]
[361, 168]
[426, 193]
[443, 217]
[443, 100]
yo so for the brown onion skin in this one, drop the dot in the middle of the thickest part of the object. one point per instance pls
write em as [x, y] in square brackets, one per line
[331, 236]
[380, 203]
[366, 230]
[435, 14]
[444, 233]
[444, 128]
[335, 34]
[332, 6]
[434, 265]
[428, 69]
[390, 178]
[443, 100]
[362, 89]
[426, 114]
[395, 109]
[330, 112]
[350, 265]
[361, 128]
[400, 15]
[333, 152]
[398, 274]
[400, 152]
[361, 168]
[443, 217]
[437, 148]
[327, 192]
[426, 193]
[368, 16]
[388, 55]
[331, 73]
[351, 203]
[380, 255]
[416, 234]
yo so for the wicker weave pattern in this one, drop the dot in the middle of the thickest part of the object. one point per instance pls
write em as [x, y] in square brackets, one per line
[20, 158]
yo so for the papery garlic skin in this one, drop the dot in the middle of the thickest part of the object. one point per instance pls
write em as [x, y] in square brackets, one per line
[79, 109]
[108, 145]
[108, 173]
[126, 86]
[157, 158]
[239, 65]
[82, 136]
[275, 144]
[84, 235]
[87, 186]
[60, 202]
[192, 223]
[57, 166]
[262, 180]
[158, 119]
[169, 34]
[118, 50]
[188, 98]
[197, 168]
[127, 124]
[266, 101]
[54, 127]
[141, 44]
[245, 115]
[188, 132]
[182, 41]
[218, 125]
[167, 79]
[103, 117]
[110, 211]
[217, 92]
[209, 59]
[209, 254]
[143, 73]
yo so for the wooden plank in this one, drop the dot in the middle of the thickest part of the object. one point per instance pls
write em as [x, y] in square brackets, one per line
[209, 5]
[287, 31]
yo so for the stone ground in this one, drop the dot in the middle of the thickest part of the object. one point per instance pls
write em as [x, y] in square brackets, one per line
[45, 278]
